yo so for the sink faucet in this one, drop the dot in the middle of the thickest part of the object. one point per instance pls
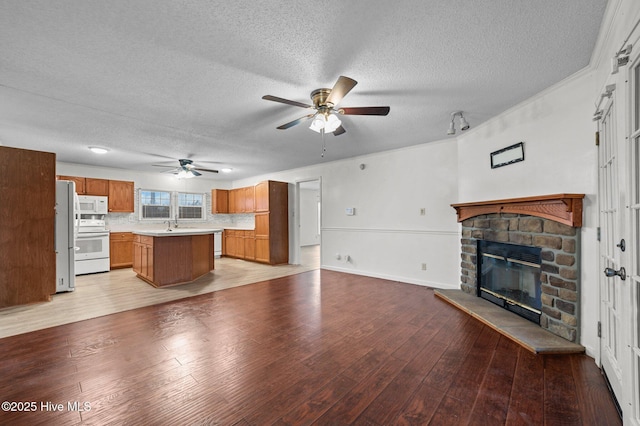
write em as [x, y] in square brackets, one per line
[176, 221]
[168, 225]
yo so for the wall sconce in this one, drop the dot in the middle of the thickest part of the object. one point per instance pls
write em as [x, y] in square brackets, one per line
[464, 125]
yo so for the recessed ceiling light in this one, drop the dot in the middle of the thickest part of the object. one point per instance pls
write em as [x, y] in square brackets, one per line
[226, 170]
[98, 150]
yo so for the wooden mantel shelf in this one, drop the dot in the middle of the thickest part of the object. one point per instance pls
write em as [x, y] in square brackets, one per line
[563, 208]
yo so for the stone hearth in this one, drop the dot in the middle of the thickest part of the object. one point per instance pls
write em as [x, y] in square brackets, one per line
[532, 227]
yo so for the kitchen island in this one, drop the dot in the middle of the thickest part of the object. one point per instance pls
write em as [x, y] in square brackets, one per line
[172, 257]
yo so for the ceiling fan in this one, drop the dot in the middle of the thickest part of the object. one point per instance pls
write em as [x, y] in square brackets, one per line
[186, 169]
[324, 117]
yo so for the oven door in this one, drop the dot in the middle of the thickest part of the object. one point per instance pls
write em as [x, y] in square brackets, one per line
[92, 245]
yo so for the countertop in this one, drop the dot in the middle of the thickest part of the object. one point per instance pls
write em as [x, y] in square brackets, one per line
[176, 232]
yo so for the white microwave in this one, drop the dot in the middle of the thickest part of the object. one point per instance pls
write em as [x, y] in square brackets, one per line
[93, 204]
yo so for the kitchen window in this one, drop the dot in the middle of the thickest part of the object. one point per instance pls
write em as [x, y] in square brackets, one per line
[165, 205]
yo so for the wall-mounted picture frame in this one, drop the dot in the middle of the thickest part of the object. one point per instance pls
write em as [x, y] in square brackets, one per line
[509, 155]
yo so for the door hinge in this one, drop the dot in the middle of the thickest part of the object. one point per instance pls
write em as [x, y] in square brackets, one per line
[599, 329]
[598, 233]
[597, 138]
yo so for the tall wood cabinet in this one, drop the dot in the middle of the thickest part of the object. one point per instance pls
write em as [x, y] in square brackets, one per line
[272, 222]
[27, 215]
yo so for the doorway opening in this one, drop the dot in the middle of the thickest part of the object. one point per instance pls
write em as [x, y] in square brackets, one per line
[308, 222]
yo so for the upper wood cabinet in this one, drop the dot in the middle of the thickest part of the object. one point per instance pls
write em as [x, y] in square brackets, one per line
[249, 199]
[219, 201]
[261, 195]
[96, 186]
[80, 183]
[120, 196]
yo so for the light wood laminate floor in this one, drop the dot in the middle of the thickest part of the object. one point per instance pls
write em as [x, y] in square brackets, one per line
[120, 290]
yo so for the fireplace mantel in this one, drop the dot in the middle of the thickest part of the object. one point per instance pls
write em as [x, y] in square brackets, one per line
[563, 208]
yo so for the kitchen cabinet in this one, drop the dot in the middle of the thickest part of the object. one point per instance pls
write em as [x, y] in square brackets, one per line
[249, 199]
[96, 186]
[219, 201]
[249, 242]
[27, 209]
[120, 196]
[143, 256]
[80, 183]
[171, 259]
[121, 250]
[241, 200]
[234, 240]
[272, 222]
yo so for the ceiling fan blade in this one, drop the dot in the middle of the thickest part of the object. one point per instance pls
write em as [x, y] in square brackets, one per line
[206, 170]
[162, 165]
[340, 130]
[340, 89]
[286, 101]
[195, 172]
[381, 110]
[294, 122]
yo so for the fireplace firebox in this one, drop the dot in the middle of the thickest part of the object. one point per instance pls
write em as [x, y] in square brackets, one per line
[509, 276]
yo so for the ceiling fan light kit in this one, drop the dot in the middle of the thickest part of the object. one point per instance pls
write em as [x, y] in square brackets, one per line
[325, 118]
[186, 169]
[464, 125]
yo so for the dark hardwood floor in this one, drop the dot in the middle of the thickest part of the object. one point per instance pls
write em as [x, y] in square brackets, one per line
[319, 347]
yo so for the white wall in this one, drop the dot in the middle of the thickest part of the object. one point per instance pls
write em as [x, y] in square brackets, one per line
[309, 199]
[387, 237]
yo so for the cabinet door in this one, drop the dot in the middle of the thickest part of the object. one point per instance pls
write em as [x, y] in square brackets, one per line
[240, 205]
[262, 249]
[261, 196]
[232, 201]
[219, 201]
[262, 224]
[121, 249]
[120, 196]
[137, 257]
[249, 199]
[249, 245]
[80, 183]
[230, 242]
[96, 186]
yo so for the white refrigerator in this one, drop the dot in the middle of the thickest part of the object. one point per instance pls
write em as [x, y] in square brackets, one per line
[66, 228]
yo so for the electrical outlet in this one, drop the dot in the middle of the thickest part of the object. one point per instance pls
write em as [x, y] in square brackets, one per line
[424, 266]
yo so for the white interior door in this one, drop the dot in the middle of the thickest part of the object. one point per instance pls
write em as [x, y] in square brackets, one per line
[632, 291]
[611, 183]
[619, 200]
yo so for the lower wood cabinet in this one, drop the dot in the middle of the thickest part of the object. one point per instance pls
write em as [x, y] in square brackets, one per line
[121, 250]
[143, 256]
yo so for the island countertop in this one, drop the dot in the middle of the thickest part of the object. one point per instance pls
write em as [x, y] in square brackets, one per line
[176, 232]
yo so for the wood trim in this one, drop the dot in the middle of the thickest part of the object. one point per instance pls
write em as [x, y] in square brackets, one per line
[563, 208]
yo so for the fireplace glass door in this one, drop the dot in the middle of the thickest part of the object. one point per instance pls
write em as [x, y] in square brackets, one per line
[509, 275]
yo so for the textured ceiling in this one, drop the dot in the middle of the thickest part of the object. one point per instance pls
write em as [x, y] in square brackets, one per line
[155, 81]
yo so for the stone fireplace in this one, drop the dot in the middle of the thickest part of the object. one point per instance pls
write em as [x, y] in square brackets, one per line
[547, 225]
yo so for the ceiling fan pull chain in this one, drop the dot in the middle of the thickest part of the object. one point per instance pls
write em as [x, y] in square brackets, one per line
[324, 145]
